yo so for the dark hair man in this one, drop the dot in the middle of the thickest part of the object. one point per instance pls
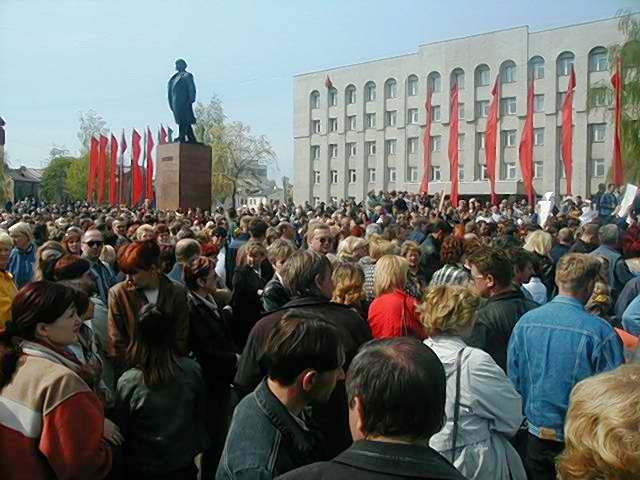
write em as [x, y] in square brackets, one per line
[270, 434]
[619, 273]
[492, 275]
[396, 395]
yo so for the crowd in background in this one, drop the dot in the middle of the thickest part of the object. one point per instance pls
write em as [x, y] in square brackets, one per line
[399, 337]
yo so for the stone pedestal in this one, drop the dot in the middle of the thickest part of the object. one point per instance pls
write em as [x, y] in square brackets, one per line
[183, 176]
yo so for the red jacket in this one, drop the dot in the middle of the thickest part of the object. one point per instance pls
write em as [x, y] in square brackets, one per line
[51, 425]
[394, 315]
[631, 242]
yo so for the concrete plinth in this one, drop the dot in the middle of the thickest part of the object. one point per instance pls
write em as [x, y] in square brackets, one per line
[183, 176]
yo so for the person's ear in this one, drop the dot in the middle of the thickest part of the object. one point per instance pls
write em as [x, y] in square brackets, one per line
[41, 331]
[309, 379]
[491, 281]
[358, 410]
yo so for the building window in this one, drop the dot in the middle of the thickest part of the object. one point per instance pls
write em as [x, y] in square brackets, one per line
[390, 89]
[315, 126]
[333, 150]
[537, 67]
[457, 77]
[370, 92]
[352, 176]
[315, 100]
[509, 138]
[538, 137]
[351, 122]
[315, 152]
[598, 97]
[412, 145]
[511, 171]
[461, 171]
[461, 141]
[333, 97]
[565, 64]
[412, 175]
[435, 113]
[461, 111]
[334, 176]
[482, 138]
[561, 98]
[371, 148]
[333, 124]
[598, 60]
[598, 167]
[351, 149]
[371, 120]
[434, 82]
[483, 76]
[392, 174]
[413, 116]
[350, 96]
[316, 201]
[508, 106]
[482, 108]
[538, 169]
[372, 175]
[483, 172]
[598, 132]
[435, 143]
[508, 72]
[412, 86]
[538, 103]
[435, 173]
[316, 177]
[390, 118]
[390, 147]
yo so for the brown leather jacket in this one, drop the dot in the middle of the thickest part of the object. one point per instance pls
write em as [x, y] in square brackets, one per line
[125, 302]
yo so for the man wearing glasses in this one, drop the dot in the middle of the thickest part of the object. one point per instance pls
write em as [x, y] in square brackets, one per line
[92, 243]
[320, 239]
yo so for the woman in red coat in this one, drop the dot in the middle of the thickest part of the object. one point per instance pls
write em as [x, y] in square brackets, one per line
[393, 312]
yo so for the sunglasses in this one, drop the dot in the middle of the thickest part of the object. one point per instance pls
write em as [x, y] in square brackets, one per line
[94, 243]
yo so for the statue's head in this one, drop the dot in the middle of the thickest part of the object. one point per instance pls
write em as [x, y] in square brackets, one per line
[181, 65]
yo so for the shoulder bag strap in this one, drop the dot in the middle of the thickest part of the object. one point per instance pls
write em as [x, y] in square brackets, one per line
[456, 405]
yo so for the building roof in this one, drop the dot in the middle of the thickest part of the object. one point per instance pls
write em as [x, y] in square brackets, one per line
[25, 174]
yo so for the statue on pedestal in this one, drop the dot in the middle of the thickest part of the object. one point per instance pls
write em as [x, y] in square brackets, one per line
[182, 94]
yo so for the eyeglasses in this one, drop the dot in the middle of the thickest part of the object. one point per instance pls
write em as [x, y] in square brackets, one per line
[94, 243]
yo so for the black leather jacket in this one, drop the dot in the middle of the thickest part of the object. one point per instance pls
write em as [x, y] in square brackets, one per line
[274, 295]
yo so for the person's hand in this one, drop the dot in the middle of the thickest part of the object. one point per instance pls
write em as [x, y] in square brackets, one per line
[112, 433]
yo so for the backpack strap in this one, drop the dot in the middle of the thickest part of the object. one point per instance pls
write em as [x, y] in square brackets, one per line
[456, 405]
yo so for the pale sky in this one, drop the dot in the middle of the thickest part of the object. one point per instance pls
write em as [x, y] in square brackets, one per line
[62, 57]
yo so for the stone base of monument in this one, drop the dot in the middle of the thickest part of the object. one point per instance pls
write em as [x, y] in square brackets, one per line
[183, 178]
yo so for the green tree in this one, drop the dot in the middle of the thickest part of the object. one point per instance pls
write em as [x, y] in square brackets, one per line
[208, 118]
[76, 181]
[54, 177]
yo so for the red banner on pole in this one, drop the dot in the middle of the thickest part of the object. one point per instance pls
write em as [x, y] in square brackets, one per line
[150, 145]
[426, 146]
[136, 170]
[113, 171]
[93, 167]
[454, 123]
[617, 164]
[122, 197]
[567, 131]
[102, 168]
[526, 146]
[491, 139]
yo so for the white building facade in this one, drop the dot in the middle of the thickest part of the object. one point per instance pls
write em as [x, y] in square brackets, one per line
[365, 132]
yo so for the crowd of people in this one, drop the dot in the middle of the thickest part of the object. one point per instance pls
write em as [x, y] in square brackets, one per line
[400, 337]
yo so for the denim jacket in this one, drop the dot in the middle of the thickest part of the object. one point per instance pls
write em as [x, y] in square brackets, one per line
[551, 349]
[265, 440]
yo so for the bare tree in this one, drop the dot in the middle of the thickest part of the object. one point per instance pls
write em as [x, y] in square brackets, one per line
[91, 124]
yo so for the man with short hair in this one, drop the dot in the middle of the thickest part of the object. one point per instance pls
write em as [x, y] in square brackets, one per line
[270, 433]
[492, 275]
[619, 273]
[430, 260]
[551, 349]
[396, 391]
[587, 242]
[92, 244]
[236, 243]
[319, 238]
[523, 269]
[607, 204]
[565, 241]
[119, 228]
[187, 250]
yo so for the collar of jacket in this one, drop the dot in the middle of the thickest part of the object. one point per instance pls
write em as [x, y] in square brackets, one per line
[282, 420]
[399, 459]
[508, 295]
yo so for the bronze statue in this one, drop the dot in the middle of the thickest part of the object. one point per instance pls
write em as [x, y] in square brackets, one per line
[182, 94]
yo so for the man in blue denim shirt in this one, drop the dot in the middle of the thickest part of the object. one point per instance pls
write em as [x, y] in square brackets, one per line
[551, 349]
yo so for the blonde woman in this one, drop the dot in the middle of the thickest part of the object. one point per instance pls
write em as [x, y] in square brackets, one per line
[602, 437]
[23, 256]
[352, 249]
[540, 243]
[378, 247]
[348, 285]
[416, 283]
[483, 408]
[393, 312]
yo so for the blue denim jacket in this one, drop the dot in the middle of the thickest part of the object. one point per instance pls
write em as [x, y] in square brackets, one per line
[631, 317]
[551, 349]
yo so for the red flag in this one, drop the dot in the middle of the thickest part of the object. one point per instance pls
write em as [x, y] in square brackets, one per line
[526, 146]
[102, 167]
[328, 83]
[454, 123]
[491, 137]
[617, 165]
[567, 131]
[121, 184]
[150, 146]
[136, 170]
[93, 167]
[163, 134]
[113, 184]
[426, 147]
